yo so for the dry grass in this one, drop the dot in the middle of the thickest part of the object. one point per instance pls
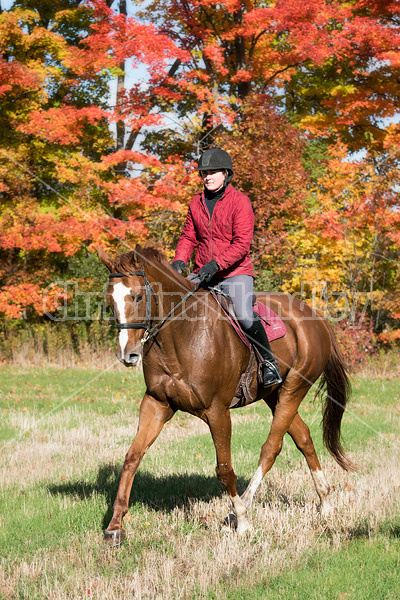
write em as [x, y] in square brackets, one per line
[284, 531]
[67, 442]
[188, 553]
[28, 355]
[385, 366]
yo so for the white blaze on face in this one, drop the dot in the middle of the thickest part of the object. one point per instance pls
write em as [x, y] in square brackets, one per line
[119, 294]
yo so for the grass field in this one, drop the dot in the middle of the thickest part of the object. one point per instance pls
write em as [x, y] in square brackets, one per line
[64, 434]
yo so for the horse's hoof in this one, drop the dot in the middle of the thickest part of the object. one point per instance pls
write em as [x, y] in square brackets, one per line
[243, 527]
[231, 522]
[326, 511]
[114, 538]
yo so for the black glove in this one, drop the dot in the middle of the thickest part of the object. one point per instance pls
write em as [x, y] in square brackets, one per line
[179, 266]
[208, 271]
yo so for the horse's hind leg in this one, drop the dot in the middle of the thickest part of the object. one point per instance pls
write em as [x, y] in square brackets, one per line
[284, 413]
[300, 434]
[153, 416]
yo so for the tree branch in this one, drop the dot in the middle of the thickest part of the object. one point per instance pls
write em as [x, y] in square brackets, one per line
[281, 71]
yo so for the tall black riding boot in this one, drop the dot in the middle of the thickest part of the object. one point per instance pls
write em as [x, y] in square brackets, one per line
[258, 338]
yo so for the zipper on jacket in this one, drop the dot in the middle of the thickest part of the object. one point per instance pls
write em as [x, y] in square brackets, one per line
[210, 228]
[205, 207]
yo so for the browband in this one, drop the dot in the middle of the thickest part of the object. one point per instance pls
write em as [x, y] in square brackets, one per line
[126, 274]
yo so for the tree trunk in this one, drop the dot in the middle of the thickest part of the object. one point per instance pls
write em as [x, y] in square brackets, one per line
[244, 87]
[120, 141]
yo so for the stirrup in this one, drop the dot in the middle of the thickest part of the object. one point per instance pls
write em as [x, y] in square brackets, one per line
[268, 373]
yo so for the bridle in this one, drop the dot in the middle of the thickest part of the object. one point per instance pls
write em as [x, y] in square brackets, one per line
[149, 331]
[149, 292]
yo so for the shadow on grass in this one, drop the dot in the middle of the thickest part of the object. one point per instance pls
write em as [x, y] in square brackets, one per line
[391, 528]
[158, 493]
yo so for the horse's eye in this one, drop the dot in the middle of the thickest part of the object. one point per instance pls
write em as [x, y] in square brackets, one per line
[139, 298]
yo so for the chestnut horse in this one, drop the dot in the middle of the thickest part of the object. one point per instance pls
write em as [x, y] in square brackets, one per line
[193, 360]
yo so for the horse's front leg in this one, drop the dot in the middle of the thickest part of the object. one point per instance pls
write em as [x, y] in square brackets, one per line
[153, 416]
[219, 422]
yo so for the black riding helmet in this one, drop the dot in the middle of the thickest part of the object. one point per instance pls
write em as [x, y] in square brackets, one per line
[215, 159]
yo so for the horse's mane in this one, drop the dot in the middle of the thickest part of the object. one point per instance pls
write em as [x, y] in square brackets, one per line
[150, 254]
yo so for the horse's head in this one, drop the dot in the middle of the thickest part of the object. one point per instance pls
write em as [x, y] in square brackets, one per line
[142, 287]
[129, 297]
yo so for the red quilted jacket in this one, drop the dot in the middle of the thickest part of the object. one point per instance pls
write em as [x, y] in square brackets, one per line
[226, 237]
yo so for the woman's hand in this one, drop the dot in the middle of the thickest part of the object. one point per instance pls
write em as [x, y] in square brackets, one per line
[208, 271]
[179, 266]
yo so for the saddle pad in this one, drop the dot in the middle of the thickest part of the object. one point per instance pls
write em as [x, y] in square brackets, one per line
[274, 327]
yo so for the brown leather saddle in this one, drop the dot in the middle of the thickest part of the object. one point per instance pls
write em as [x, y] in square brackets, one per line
[246, 391]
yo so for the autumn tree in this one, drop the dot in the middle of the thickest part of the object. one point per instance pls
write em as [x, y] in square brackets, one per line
[79, 166]
[267, 153]
[330, 68]
[334, 57]
[59, 188]
[348, 248]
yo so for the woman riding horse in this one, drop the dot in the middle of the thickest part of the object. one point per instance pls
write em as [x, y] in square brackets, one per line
[183, 341]
[220, 221]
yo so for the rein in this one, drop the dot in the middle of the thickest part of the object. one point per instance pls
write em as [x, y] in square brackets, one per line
[149, 291]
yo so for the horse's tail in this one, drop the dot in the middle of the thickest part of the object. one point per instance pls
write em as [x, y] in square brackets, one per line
[335, 385]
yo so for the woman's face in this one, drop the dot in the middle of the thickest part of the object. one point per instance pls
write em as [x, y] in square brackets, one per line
[213, 180]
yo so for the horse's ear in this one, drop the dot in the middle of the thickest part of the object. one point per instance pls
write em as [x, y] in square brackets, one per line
[105, 259]
[139, 253]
